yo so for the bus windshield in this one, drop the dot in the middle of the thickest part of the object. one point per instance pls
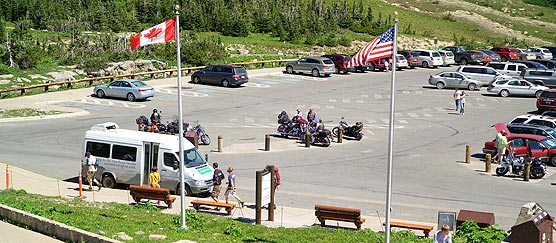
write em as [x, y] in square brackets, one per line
[192, 158]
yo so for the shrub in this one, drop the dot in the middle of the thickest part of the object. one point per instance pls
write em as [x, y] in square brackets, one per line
[233, 230]
[471, 233]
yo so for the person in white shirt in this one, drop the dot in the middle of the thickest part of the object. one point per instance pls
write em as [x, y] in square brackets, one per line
[462, 102]
[443, 235]
[457, 96]
[92, 164]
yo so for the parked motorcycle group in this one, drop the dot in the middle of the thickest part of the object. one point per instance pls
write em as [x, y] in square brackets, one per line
[298, 126]
[154, 124]
[517, 166]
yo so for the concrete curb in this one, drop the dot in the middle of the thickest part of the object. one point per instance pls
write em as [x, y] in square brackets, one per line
[52, 228]
[34, 118]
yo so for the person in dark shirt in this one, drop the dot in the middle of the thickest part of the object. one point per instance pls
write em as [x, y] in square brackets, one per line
[217, 178]
[155, 117]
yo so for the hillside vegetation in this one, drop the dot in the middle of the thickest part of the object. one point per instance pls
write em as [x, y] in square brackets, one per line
[39, 36]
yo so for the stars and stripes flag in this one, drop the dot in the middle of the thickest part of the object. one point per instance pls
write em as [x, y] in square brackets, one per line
[380, 47]
[160, 33]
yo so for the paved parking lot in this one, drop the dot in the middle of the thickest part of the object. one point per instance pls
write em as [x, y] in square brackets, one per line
[430, 139]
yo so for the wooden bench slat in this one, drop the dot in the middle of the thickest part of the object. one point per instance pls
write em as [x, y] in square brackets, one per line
[145, 192]
[353, 215]
[228, 206]
[425, 228]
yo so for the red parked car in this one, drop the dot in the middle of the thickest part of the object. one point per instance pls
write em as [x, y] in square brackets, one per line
[541, 147]
[506, 52]
[413, 59]
[486, 58]
[547, 100]
[340, 62]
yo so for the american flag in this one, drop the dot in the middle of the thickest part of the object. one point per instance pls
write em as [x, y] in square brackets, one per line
[379, 48]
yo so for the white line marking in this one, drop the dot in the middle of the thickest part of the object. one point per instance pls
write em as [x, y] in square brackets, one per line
[364, 96]
[418, 92]
[413, 115]
[330, 107]
[332, 100]
[427, 115]
[346, 101]
[402, 121]
[377, 96]
[360, 101]
[249, 120]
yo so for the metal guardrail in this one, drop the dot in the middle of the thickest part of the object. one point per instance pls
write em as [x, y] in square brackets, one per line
[165, 73]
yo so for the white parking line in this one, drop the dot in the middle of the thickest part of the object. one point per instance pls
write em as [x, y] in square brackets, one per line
[332, 100]
[413, 115]
[427, 115]
[402, 121]
[346, 101]
[360, 101]
[249, 120]
[330, 107]
[364, 96]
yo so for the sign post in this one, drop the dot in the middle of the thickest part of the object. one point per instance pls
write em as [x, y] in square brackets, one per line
[264, 194]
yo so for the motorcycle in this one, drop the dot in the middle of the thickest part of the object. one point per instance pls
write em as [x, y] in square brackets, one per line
[537, 170]
[355, 131]
[295, 127]
[200, 130]
[323, 138]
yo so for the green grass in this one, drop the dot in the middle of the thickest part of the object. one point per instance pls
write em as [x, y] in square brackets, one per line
[27, 112]
[112, 218]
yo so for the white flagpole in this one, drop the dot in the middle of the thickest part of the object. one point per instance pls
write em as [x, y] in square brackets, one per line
[391, 132]
[180, 121]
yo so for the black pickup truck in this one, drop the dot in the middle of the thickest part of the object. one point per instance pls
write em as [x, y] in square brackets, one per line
[463, 56]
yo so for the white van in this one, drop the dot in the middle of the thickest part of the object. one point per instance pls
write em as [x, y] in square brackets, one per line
[430, 58]
[484, 74]
[127, 156]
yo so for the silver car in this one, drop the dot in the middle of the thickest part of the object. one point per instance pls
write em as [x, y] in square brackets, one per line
[518, 87]
[454, 80]
[129, 89]
[315, 65]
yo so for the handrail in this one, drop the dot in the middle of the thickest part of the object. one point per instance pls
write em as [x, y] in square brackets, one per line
[165, 73]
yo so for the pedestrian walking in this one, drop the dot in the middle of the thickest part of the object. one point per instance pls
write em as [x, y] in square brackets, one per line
[462, 102]
[231, 190]
[457, 96]
[386, 64]
[92, 165]
[443, 235]
[154, 179]
[217, 178]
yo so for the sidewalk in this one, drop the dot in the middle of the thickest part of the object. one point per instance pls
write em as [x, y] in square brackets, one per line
[284, 216]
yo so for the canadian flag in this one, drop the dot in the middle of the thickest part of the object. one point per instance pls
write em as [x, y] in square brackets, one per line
[161, 33]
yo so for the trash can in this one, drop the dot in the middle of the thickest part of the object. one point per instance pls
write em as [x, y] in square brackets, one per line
[483, 219]
[536, 230]
[193, 138]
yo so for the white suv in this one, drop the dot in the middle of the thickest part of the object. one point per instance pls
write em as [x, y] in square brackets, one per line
[509, 68]
[547, 121]
[541, 53]
[484, 74]
[430, 58]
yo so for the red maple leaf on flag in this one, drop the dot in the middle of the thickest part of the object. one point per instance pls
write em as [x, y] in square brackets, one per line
[154, 32]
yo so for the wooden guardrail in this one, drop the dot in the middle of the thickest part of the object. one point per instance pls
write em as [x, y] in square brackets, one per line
[165, 73]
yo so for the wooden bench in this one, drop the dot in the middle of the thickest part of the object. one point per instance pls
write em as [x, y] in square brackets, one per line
[324, 213]
[425, 228]
[228, 206]
[147, 192]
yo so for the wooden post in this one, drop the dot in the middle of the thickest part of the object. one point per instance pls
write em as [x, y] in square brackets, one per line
[258, 196]
[488, 163]
[468, 154]
[340, 134]
[272, 204]
[307, 139]
[219, 143]
[267, 142]
[527, 171]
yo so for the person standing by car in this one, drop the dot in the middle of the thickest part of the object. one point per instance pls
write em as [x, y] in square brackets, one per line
[457, 96]
[462, 102]
[501, 145]
[231, 190]
[155, 117]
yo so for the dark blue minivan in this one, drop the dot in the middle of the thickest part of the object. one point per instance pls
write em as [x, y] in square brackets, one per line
[225, 75]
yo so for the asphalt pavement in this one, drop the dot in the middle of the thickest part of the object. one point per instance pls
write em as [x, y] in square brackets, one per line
[430, 139]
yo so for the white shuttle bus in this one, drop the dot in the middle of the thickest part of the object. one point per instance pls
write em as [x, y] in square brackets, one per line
[127, 156]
